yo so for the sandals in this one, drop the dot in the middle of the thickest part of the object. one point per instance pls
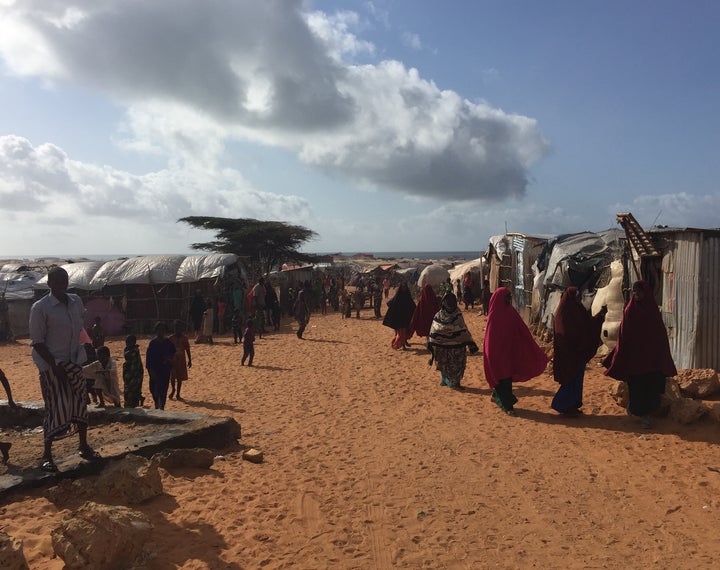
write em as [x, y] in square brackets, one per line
[48, 465]
[89, 454]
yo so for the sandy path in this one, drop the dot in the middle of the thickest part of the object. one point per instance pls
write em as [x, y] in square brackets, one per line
[371, 464]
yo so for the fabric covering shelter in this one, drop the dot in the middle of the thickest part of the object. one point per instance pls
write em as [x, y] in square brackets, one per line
[433, 275]
[144, 270]
[474, 266]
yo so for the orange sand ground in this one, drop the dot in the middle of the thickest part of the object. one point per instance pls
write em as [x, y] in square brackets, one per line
[369, 463]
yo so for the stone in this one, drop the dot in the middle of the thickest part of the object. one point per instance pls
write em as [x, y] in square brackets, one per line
[687, 410]
[672, 393]
[11, 553]
[173, 458]
[698, 383]
[130, 481]
[619, 392]
[714, 411]
[253, 455]
[101, 536]
[74, 490]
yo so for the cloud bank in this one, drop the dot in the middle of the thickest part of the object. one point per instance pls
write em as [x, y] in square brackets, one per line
[45, 181]
[272, 73]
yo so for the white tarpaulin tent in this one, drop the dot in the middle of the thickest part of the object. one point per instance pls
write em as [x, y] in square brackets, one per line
[474, 266]
[433, 275]
[147, 269]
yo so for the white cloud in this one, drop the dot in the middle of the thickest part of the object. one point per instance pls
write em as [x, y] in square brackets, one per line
[336, 33]
[44, 180]
[411, 40]
[674, 210]
[269, 72]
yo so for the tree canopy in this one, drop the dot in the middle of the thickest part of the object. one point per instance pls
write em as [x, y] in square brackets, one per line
[261, 245]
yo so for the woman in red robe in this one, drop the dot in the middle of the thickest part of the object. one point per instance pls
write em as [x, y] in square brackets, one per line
[576, 337]
[511, 353]
[642, 356]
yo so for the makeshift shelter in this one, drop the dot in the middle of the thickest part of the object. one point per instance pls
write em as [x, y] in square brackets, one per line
[511, 258]
[16, 298]
[687, 282]
[581, 260]
[434, 275]
[474, 266]
[132, 294]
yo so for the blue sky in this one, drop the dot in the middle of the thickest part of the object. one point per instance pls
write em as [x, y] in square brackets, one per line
[386, 125]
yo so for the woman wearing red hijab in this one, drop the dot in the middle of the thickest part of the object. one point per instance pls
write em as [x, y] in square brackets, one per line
[576, 337]
[642, 356]
[422, 318]
[511, 353]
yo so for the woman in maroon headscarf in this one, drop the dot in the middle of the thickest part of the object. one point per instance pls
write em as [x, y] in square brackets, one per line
[642, 356]
[576, 337]
[511, 353]
[422, 318]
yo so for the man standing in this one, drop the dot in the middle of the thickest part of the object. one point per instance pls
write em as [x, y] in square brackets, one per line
[55, 324]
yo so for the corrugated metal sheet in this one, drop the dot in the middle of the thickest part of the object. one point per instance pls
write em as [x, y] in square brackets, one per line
[687, 270]
[707, 349]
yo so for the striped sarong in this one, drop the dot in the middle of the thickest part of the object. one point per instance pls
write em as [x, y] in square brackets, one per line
[65, 402]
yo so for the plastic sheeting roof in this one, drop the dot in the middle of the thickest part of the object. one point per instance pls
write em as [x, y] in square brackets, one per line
[459, 271]
[433, 275]
[147, 269]
[18, 285]
[579, 253]
[499, 243]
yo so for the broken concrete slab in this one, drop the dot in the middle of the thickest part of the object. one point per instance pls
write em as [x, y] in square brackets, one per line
[180, 430]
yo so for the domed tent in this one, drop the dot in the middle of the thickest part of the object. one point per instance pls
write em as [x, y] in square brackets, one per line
[433, 275]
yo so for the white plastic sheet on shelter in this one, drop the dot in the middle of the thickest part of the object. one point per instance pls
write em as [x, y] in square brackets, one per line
[433, 275]
[474, 266]
[146, 288]
[16, 298]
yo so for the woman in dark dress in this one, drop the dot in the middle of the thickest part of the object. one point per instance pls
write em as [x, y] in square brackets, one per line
[576, 337]
[398, 316]
[642, 356]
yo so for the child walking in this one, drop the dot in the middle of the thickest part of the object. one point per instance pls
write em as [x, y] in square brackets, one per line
[248, 343]
[180, 364]
[132, 374]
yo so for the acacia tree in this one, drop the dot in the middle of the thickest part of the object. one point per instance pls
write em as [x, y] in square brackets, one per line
[260, 245]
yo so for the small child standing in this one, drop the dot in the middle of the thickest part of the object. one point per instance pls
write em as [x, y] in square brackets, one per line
[132, 374]
[248, 343]
[104, 372]
[180, 363]
[97, 333]
[235, 324]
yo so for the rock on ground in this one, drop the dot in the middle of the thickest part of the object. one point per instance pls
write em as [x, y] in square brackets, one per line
[130, 481]
[619, 392]
[687, 410]
[11, 553]
[174, 458]
[101, 536]
[698, 383]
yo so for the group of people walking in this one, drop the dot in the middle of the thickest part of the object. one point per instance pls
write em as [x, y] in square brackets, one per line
[641, 356]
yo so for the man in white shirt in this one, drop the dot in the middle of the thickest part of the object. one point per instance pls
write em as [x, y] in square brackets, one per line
[55, 324]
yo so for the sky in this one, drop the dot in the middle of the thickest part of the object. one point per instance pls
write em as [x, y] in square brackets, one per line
[383, 125]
